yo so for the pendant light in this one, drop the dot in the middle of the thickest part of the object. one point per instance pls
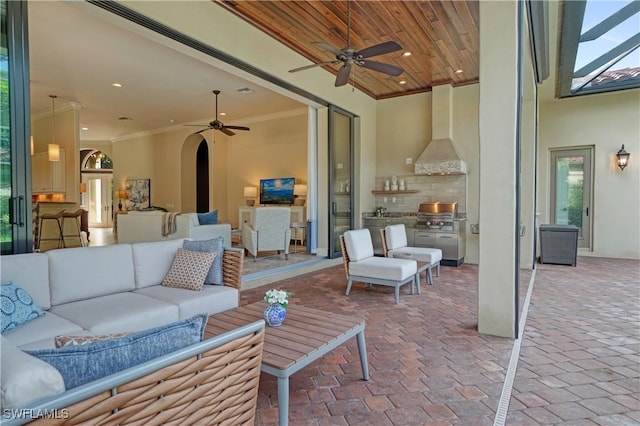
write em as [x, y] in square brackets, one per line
[54, 148]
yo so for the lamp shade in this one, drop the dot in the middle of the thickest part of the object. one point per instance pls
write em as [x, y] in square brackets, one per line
[250, 191]
[121, 194]
[54, 152]
[300, 190]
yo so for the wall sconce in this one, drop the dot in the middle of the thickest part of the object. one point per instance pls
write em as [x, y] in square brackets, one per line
[250, 192]
[121, 194]
[300, 192]
[623, 158]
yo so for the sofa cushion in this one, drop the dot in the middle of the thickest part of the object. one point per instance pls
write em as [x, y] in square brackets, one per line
[395, 236]
[212, 299]
[153, 260]
[118, 312]
[216, 246]
[25, 378]
[42, 329]
[210, 218]
[31, 270]
[358, 244]
[86, 363]
[16, 307]
[85, 272]
[189, 269]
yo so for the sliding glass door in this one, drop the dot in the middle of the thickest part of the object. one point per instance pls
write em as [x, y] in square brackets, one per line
[341, 136]
[15, 161]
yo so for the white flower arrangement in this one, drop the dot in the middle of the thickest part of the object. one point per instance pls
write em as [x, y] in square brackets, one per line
[277, 296]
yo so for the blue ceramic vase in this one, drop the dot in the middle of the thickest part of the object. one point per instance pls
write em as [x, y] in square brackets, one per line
[274, 314]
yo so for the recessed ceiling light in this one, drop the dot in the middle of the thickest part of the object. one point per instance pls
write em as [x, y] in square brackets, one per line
[116, 84]
[459, 71]
[245, 90]
[405, 54]
[85, 128]
[402, 82]
[125, 118]
[223, 113]
[172, 121]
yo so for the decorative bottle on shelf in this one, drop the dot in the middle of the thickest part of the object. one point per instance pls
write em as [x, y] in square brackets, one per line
[402, 186]
[394, 183]
[386, 185]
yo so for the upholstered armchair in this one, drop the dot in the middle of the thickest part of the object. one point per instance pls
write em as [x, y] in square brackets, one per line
[269, 231]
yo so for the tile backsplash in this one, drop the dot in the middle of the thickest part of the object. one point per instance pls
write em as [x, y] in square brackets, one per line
[430, 188]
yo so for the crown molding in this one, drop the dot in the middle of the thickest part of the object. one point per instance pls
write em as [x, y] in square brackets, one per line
[69, 106]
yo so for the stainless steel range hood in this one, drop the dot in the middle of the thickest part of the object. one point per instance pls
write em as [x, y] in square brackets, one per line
[440, 157]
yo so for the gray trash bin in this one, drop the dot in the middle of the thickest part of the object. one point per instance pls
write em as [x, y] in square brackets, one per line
[559, 244]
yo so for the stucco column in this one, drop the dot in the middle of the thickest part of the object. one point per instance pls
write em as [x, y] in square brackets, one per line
[497, 125]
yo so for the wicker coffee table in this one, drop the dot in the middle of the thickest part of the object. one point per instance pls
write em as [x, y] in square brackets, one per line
[306, 335]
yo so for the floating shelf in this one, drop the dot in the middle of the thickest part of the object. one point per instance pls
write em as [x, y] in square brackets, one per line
[407, 191]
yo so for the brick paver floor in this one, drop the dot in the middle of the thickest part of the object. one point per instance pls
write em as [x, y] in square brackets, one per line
[579, 361]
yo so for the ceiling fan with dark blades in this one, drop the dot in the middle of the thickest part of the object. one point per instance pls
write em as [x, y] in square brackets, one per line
[217, 124]
[350, 56]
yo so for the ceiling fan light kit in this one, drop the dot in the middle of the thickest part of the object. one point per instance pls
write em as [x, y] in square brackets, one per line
[217, 124]
[350, 56]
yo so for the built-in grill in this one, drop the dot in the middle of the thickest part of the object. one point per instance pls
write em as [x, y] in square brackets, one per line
[437, 216]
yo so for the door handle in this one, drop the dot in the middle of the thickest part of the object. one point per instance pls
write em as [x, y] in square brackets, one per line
[16, 210]
[587, 211]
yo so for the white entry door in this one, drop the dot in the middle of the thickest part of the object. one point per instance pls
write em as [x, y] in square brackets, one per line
[98, 200]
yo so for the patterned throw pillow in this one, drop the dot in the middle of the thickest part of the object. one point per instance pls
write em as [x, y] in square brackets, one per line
[16, 307]
[216, 246]
[62, 341]
[189, 269]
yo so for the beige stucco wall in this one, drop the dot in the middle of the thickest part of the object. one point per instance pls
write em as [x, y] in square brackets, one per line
[605, 121]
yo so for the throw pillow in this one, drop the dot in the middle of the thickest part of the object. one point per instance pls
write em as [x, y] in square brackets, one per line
[216, 246]
[83, 364]
[188, 269]
[62, 341]
[210, 218]
[16, 307]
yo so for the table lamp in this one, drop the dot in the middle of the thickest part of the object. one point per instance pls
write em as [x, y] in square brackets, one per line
[250, 192]
[300, 192]
[121, 194]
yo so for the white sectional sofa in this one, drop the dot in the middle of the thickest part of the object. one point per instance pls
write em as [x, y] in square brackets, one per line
[110, 289]
[138, 227]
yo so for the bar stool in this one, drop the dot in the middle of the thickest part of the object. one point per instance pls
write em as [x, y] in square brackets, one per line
[76, 216]
[57, 217]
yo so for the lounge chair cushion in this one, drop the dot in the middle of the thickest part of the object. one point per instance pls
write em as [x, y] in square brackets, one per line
[384, 268]
[395, 236]
[419, 254]
[358, 244]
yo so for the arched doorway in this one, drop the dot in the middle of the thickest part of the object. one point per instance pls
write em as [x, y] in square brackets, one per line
[202, 177]
[96, 172]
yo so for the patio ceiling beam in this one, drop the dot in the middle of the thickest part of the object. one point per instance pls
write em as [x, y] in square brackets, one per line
[627, 46]
[610, 22]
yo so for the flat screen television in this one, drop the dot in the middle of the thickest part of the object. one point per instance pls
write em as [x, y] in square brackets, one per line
[277, 191]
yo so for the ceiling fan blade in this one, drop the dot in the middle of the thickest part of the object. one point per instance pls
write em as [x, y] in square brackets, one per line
[328, 48]
[321, 64]
[236, 127]
[226, 131]
[196, 125]
[380, 67]
[379, 49]
[343, 75]
[203, 130]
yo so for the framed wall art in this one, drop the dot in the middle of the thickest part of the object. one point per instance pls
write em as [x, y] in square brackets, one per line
[138, 194]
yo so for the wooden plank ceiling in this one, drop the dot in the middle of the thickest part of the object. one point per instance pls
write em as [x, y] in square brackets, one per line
[442, 36]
